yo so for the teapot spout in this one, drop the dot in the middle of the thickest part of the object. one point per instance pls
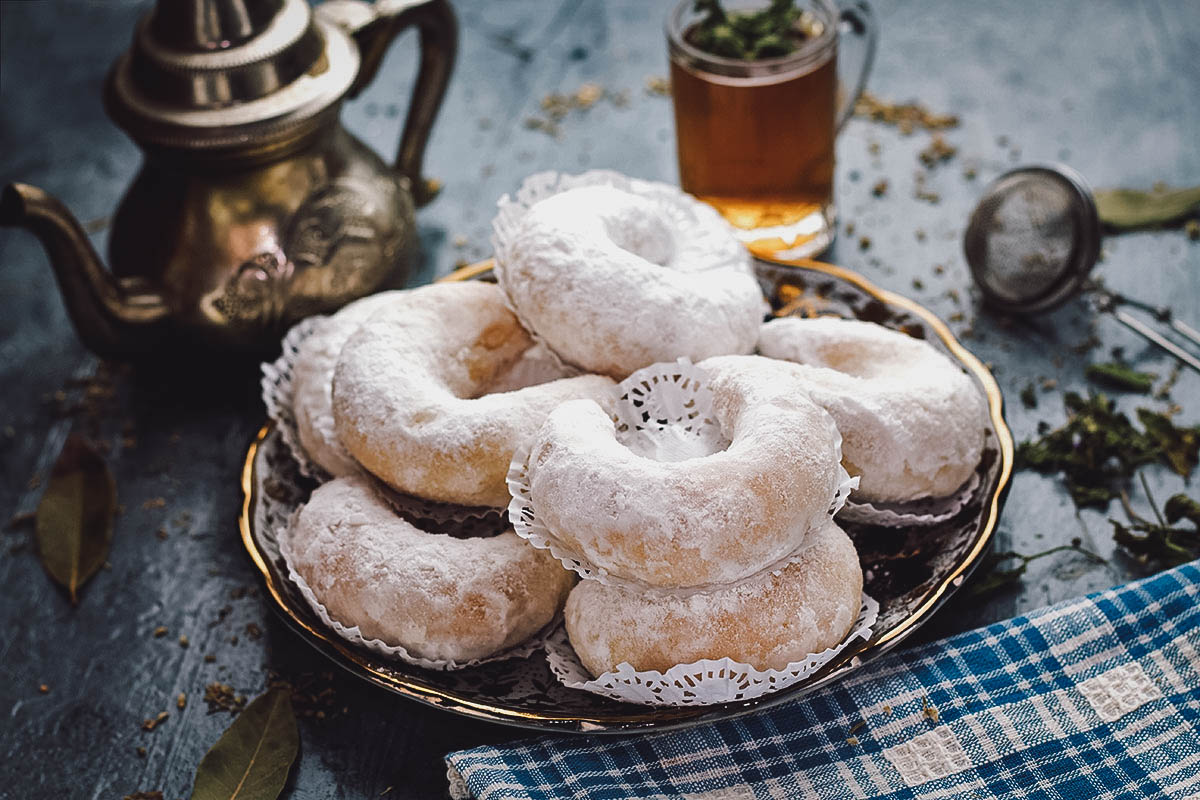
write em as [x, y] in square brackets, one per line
[112, 315]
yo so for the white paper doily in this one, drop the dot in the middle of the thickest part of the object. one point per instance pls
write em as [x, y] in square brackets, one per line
[663, 412]
[925, 511]
[354, 635]
[700, 683]
[278, 393]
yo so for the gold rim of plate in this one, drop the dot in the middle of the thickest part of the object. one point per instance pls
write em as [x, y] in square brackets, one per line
[452, 701]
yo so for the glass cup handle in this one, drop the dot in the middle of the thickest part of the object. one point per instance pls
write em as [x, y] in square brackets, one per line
[858, 21]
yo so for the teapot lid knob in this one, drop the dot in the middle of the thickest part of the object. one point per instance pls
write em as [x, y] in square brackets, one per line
[205, 74]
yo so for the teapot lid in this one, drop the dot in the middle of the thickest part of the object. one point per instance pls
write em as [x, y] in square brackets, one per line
[229, 74]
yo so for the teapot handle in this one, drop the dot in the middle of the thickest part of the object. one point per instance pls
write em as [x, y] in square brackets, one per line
[374, 28]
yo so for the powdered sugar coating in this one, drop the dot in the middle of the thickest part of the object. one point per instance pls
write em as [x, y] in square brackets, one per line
[697, 521]
[438, 597]
[411, 397]
[767, 620]
[312, 381]
[610, 280]
[913, 423]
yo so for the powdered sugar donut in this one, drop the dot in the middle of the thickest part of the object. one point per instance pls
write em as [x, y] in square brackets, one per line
[912, 421]
[703, 520]
[436, 596]
[608, 279]
[413, 397]
[312, 382]
[768, 620]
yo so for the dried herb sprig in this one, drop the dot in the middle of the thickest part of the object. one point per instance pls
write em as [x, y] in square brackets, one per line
[1098, 450]
[749, 35]
[992, 576]
[1122, 377]
[1160, 541]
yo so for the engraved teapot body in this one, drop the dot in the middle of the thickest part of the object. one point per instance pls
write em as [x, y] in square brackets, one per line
[254, 207]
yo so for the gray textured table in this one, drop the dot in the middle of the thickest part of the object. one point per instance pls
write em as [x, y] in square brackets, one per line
[1109, 87]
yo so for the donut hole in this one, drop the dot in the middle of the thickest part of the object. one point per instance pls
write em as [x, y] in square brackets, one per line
[644, 234]
[666, 440]
[533, 367]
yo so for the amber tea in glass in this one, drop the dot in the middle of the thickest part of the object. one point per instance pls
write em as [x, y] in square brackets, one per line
[756, 138]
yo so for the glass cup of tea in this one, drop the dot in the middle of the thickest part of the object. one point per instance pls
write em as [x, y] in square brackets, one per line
[756, 138]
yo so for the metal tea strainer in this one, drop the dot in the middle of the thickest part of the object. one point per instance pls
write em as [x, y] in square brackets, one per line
[1032, 241]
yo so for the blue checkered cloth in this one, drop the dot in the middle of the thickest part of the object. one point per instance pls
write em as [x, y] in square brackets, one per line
[1093, 699]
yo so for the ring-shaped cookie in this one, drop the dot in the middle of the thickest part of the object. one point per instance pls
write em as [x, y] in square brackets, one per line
[704, 520]
[607, 279]
[912, 422]
[413, 397]
[312, 383]
[768, 621]
[438, 597]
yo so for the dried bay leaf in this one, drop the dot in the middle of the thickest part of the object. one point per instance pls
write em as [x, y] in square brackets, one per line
[1132, 208]
[74, 520]
[252, 758]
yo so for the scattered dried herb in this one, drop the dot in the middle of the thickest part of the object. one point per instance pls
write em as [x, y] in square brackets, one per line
[1116, 375]
[992, 575]
[314, 694]
[1098, 449]
[937, 152]
[1131, 208]
[1029, 396]
[775, 31]
[923, 192]
[928, 710]
[222, 697]
[74, 522]
[905, 116]
[252, 759]
[1163, 392]
[1179, 447]
[556, 106]
[1161, 541]
[152, 723]
[1192, 229]
[658, 85]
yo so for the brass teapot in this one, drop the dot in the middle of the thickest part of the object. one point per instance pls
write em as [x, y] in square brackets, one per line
[254, 208]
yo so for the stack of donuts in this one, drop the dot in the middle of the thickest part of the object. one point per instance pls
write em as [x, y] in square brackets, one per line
[730, 551]
[725, 553]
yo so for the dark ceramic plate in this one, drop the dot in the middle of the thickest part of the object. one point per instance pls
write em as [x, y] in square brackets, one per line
[909, 573]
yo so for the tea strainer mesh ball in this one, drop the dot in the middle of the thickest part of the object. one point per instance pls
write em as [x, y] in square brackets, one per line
[1033, 239]
[1031, 243]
